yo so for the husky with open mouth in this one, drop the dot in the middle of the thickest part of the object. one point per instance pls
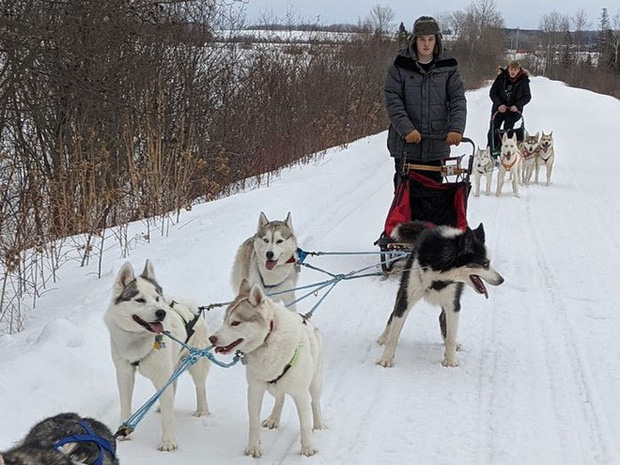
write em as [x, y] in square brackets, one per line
[284, 355]
[137, 316]
[442, 261]
[269, 258]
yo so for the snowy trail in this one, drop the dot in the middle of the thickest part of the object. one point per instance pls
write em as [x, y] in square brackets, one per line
[539, 372]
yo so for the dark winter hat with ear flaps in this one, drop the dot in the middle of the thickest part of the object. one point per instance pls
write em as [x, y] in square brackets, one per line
[425, 26]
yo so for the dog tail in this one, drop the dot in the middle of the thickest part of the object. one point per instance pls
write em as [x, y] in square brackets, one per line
[409, 230]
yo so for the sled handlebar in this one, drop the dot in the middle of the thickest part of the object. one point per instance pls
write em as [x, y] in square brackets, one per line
[467, 140]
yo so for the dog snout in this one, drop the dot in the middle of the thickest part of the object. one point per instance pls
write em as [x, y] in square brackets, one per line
[160, 314]
[213, 339]
[269, 255]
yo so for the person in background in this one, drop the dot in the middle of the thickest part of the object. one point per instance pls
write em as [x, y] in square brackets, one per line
[510, 92]
[424, 95]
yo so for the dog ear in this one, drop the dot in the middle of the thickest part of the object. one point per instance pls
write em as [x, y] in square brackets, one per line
[244, 287]
[537, 135]
[505, 137]
[479, 232]
[149, 271]
[289, 221]
[262, 220]
[123, 278]
[257, 296]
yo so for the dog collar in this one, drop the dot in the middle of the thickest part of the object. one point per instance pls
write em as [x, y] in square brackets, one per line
[288, 366]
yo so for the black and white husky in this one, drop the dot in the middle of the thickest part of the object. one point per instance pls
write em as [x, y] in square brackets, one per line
[442, 260]
[64, 439]
[138, 313]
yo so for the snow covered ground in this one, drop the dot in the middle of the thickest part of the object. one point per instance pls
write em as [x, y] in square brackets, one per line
[539, 375]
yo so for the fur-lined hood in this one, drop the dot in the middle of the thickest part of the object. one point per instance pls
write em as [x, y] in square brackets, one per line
[501, 70]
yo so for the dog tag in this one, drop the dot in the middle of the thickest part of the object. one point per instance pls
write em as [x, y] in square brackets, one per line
[159, 342]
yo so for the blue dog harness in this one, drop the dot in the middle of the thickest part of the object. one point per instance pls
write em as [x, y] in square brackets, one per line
[103, 444]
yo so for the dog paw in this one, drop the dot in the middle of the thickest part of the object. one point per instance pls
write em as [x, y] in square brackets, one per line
[308, 451]
[386, 363]
[201, 413]
[253, 451]
[319, 426]
[381, 340]
[458, 347]
[450, 362]
[271, 423]
[168, 445]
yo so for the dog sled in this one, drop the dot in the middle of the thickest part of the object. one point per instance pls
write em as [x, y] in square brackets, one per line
[498, 133]
[421, 198]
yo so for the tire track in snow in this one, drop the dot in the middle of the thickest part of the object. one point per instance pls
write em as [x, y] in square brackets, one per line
[576, 401]
[487, 363]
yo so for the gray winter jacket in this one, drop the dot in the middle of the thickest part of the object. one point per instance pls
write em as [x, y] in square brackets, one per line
[432, 102]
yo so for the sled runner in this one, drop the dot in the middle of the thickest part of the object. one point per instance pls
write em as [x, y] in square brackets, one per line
[496, 145]
[420, 198]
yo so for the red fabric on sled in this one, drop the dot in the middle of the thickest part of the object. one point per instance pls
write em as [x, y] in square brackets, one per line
[400, 210]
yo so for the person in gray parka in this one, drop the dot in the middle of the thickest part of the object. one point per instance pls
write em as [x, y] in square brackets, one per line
[424, 94]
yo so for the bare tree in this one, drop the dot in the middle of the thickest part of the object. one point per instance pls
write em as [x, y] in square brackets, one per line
[580, 24]
[380, 20]
[479, 43]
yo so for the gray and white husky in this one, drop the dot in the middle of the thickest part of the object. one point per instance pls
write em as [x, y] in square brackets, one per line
[529, 156]
[269, 258]
[442, 261]
[64, 439]
[509, 162]
[284, 355]
[137, 314]
[484, 164]
[546, 156]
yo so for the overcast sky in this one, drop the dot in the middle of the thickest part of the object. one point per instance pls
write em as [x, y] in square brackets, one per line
[525, 14]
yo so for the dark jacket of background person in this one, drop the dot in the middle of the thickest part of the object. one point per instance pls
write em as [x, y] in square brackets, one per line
[507, 92]
[432, 102]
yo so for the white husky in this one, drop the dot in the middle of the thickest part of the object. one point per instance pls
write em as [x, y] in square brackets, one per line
[483, 166]
[509, 162]
[284, 355]
[137, 314]
[546, 156]
[269, 258]
[529, 156]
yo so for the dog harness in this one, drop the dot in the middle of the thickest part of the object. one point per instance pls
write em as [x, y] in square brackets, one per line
[103, 444]
[293, 361]
[288, 366]
[189, 325]
[544, 151]
[509, 166]
[527, 154]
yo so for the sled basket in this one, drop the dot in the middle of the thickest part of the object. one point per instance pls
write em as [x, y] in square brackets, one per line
[420, 198]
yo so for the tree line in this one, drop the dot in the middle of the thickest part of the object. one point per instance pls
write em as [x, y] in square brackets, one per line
[113, 111]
